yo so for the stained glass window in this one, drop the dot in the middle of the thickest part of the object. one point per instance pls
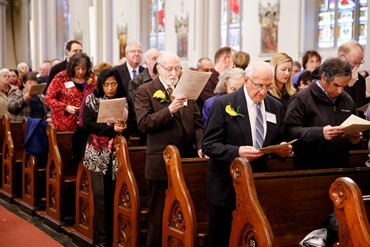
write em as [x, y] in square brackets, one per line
[157, 24]
[231, 19]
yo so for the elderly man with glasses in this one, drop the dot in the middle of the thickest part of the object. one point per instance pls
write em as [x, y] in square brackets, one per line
[353, 53]
[239, 124]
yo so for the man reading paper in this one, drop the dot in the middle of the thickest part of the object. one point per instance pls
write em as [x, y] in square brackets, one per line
[239, 123]
[314, 115]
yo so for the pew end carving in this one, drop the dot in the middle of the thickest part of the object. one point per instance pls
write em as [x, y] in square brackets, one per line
[250, 226]
[126, 229]
[354, 229]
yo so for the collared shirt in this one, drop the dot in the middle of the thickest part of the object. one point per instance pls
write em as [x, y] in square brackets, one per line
[251, 105]
[324, 91]
[130, 69]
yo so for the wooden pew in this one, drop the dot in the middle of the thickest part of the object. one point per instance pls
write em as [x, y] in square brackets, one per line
[185, 216]
[60, 180]
[13, 155]
[250, 226]
[354, 229]
[126, 229]
[84, 223]
[33, 182]
[295, 202]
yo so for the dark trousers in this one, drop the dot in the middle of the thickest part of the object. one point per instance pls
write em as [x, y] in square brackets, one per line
[219, 225]
[157, 195]
[103, 193]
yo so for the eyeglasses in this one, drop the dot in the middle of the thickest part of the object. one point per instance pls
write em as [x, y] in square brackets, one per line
[136, 51]
[260, 87]
[355, 64]
[170, 69]
[111, 85]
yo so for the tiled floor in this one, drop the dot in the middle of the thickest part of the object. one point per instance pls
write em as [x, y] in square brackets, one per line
[37, 221]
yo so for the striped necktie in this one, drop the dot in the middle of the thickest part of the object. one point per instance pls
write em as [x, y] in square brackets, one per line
[259, 127]
[170, 91]
[133, 73]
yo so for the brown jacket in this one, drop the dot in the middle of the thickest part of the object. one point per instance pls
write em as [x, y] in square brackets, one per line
[184, 129]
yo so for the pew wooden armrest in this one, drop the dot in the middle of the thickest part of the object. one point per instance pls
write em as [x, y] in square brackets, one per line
[250, 226]
[349, 208]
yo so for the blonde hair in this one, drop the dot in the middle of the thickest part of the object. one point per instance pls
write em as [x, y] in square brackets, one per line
[101, 66]
[241, 59]
[288, 88]
[232, 72]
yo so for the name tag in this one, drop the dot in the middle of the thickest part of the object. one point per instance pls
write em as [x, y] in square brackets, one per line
[69, 84]
[270, 117]
[186, 102]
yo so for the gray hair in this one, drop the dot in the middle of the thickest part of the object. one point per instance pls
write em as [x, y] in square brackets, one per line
[232, 72]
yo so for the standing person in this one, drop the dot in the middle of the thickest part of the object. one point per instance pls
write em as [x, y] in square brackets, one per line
[6, 89]
[13, 74]
[232, 133]
[223, 60]
[66, 91]
[353, 53]
[297, 67]
[229, 81]
[204, 64]
[131, 68]
[44, 71]
[21, 104]
[241, 59]
[100, 156]
[150, 61]
[165, 122]
[314, 115]
[283, 88]
[310, 61]
[72, 47]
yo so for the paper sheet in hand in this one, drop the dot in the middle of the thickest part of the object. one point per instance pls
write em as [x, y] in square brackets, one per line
[354, 124]
[268, 149]
[37, 89]
[191, 84]
[111, 109]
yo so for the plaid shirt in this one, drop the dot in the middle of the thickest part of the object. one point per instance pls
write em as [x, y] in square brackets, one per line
[19, 109]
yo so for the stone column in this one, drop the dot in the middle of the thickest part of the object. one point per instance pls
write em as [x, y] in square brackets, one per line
[3, 4]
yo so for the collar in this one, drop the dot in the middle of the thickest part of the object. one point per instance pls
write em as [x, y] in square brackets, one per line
[250, 102]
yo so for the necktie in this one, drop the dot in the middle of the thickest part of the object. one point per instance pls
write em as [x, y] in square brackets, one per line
[259, 127]
[170, 91]
[133, 73]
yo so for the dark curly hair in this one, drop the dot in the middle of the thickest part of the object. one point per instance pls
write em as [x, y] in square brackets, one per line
[79, 58]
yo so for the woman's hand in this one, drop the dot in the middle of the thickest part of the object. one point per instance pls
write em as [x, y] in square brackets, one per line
[120, 125]
[72, 109]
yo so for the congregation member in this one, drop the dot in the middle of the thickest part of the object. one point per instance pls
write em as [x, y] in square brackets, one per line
[99, 67]
[13, 74]
[131, 68]
[44, 70]
[204, 64]
[223, 60]
[66, 91]
[22, 104]
[304, 80]
[229, 81]
[149, 73]
[239, 124]
[166, 121]
[310, 61]
[100, 155]
[72, 47]
[22, 69]
[282, 85]
[297, 67]
[314, 115]
[6, 89]
[241, 59]
[353, 53]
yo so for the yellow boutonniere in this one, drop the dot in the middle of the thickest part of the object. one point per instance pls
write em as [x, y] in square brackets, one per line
[161, 96]
[232, 112]
[89, 81]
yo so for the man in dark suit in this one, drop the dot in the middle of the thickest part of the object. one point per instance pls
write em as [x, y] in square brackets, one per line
[230, 133]
[132, 67]
[165, 122]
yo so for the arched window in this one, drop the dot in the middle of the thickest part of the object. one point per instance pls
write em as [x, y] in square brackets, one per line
[340, 21]
[157, 24]
[231, 21]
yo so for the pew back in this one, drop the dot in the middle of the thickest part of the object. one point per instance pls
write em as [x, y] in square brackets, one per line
[354, 229]
[296, 202]
[185, 216]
